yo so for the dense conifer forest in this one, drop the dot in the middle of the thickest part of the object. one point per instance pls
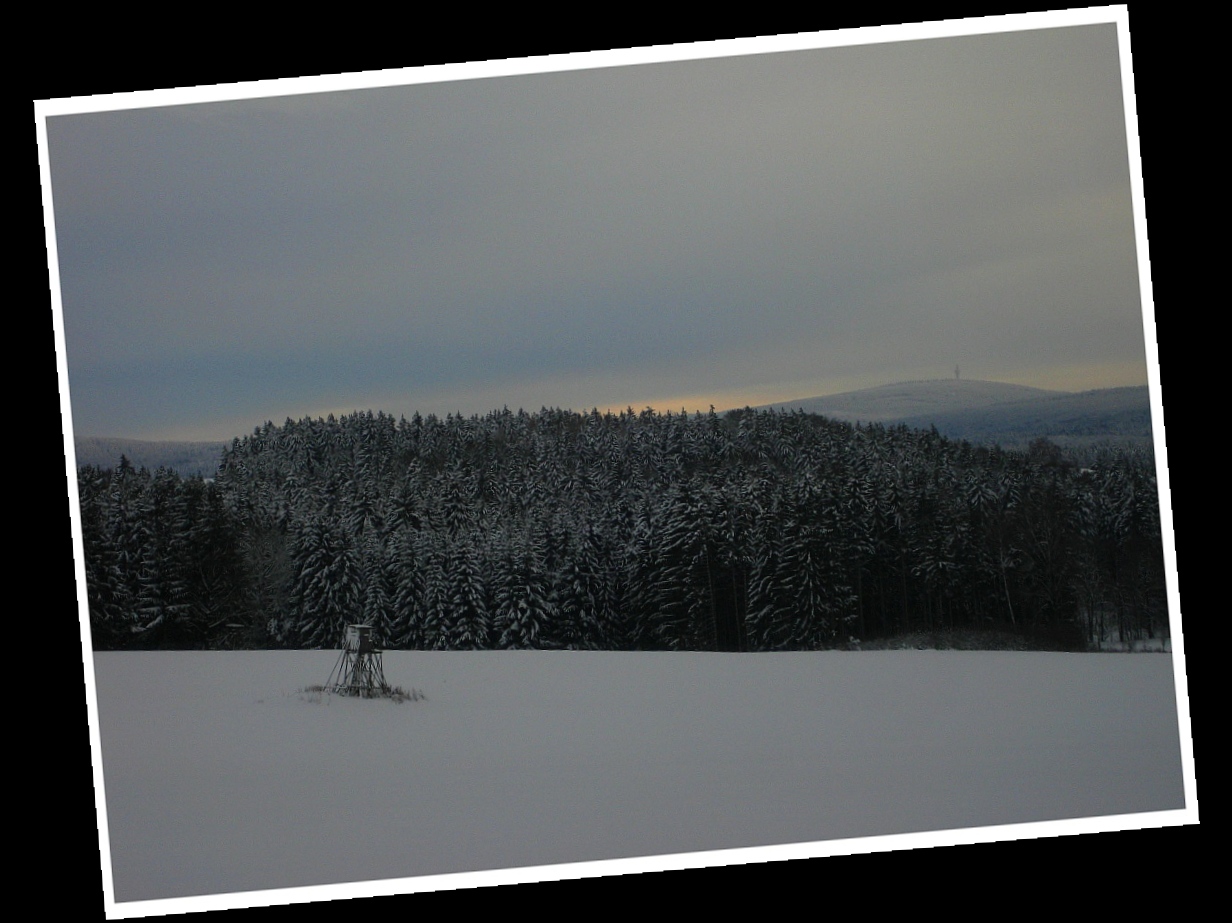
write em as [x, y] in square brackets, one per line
[751, 531]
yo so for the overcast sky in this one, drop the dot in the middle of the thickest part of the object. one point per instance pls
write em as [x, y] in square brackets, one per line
[731, 231]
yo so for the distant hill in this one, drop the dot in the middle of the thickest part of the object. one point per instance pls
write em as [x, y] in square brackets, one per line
[187, 458]
[897, 402]
[1109, 414]
[990, 412]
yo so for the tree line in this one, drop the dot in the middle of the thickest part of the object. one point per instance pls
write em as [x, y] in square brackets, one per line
[755, 530]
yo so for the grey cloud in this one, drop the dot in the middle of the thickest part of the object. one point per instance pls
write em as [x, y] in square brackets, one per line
[847, 208]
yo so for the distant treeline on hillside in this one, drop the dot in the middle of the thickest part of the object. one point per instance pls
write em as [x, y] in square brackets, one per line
[754, 531]
[1112, 415]
[186, 458]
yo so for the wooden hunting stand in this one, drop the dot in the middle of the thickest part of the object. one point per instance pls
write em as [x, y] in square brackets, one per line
[359, 670]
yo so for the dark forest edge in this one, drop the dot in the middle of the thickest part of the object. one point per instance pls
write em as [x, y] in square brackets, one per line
[756, 530]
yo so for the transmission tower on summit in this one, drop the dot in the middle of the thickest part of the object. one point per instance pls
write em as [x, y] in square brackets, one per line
[359, 670]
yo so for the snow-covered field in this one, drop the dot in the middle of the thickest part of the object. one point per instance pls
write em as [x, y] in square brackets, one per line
[220, 776]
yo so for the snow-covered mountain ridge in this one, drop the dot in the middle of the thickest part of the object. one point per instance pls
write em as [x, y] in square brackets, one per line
[991, 411]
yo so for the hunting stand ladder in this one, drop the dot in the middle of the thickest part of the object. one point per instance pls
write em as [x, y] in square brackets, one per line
[359, 670]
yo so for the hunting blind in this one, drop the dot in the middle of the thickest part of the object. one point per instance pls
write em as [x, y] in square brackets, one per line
[359, 670]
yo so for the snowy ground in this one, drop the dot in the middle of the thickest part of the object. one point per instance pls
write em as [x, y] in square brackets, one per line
[220, 777]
